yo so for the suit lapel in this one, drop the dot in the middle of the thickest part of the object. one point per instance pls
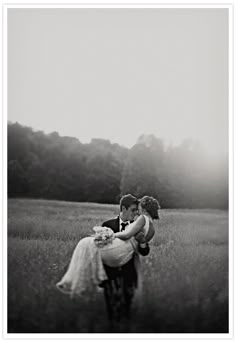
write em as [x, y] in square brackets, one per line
[117, 224]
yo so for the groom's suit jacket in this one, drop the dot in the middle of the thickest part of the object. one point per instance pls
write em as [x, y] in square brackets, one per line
[128, 270]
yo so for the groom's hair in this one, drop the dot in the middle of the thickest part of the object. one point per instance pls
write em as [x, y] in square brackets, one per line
[128, 200]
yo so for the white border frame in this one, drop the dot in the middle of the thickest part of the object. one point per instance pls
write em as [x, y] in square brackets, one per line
[116, 336]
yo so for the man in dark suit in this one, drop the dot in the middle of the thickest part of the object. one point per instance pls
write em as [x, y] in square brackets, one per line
[120, 287]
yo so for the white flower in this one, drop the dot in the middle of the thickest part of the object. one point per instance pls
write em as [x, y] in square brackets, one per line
[103, 235]
[98, 228]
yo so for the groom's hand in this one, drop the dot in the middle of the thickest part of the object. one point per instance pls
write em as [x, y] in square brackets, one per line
[140, 238]
[143, 247]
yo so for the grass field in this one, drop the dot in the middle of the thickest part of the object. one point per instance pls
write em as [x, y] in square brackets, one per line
[185, 274]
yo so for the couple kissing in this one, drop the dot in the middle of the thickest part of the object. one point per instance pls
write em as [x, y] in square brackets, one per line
[109, 258]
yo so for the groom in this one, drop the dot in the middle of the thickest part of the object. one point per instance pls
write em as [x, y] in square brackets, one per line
[122, 281]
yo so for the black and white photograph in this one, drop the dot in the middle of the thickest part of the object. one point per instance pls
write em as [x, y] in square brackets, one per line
[118, 169]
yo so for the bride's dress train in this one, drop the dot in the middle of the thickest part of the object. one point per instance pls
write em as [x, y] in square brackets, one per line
[86, 270]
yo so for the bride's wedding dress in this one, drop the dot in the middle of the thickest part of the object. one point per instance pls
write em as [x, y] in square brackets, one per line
[86, 270]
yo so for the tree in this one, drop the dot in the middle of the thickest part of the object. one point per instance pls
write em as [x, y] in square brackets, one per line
[17, 181]
[51, 166]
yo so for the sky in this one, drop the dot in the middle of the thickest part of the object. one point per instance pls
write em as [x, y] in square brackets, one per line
[120, 73]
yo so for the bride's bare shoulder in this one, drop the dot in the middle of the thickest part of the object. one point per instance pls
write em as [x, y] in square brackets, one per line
[141, 219]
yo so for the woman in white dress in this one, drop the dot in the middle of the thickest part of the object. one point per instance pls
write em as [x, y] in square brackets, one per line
[86, 270]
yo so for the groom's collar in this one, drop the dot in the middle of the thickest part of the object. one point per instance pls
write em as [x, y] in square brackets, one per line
[122, 221]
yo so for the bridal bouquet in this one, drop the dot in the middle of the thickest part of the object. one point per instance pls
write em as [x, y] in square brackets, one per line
[103, 235]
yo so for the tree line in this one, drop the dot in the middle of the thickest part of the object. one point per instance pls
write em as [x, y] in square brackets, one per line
[50, 166]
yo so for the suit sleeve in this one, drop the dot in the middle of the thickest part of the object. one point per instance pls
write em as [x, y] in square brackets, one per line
[108, 223]
[144, 251]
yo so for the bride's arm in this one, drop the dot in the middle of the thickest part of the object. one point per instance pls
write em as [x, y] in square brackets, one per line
[132, 229]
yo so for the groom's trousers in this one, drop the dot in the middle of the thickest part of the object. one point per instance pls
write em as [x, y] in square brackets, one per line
[119, 290]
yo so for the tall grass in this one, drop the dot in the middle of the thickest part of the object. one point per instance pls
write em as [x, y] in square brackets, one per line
[185, 275]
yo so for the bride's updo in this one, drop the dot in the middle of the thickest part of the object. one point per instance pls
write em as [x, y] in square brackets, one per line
[151, 206]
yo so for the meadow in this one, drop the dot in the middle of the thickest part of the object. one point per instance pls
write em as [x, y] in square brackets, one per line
[185, 274]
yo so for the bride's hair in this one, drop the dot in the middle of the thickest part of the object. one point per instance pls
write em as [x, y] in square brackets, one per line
[151, 206]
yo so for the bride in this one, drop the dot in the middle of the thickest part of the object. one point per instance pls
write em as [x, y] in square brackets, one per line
[86, 270]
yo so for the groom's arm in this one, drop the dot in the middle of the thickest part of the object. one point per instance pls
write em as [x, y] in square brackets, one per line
[143, 247]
